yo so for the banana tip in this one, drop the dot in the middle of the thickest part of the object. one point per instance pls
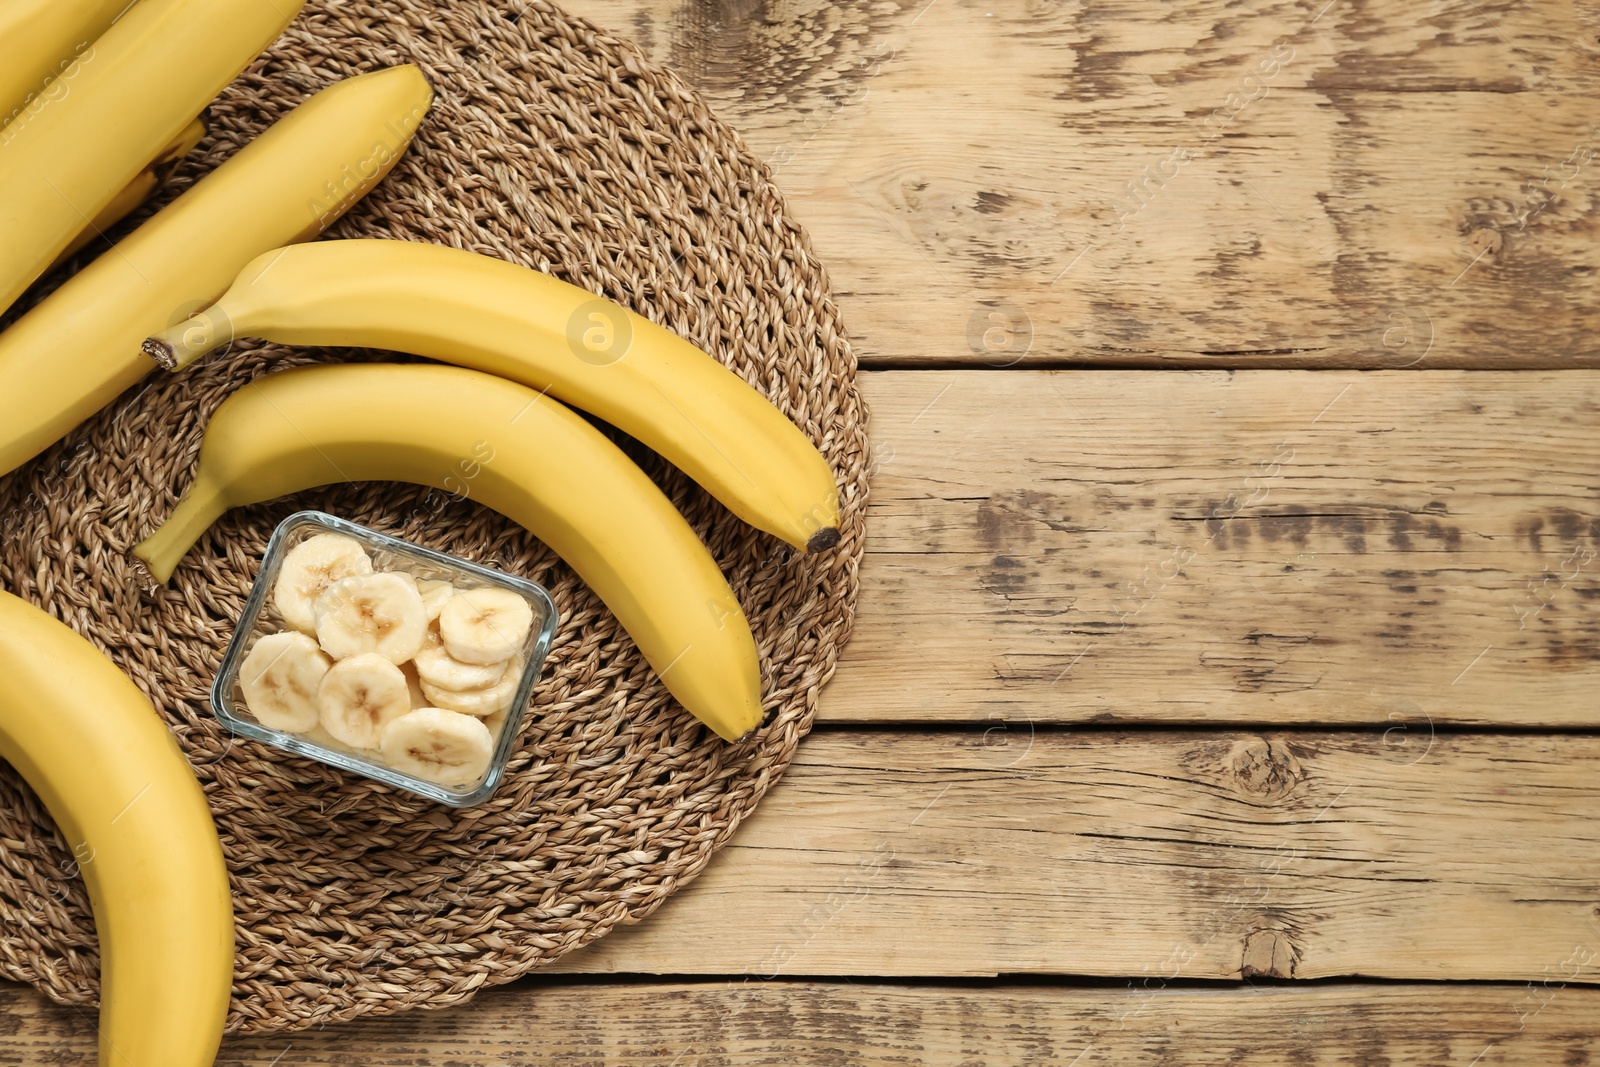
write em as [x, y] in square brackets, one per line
[161, 352]
[823, 539]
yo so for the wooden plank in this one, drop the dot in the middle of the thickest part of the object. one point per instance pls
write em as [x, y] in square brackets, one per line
[1283, 183]
[797, 1024]
[1269, 546]
[1151, 854]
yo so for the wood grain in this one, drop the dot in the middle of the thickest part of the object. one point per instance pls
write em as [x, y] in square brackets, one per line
[814, 1024]
[1150, 854]
[1047, 182]
[1288, 547]
[1312, 183]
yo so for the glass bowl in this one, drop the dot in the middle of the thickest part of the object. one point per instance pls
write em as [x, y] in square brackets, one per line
[261, 618]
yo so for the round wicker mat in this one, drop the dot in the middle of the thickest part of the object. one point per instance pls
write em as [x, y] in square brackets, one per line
[553, 145]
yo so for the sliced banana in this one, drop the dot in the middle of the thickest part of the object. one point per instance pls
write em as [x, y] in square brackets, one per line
[435, 595]
[280, 678]
[438, 745]
[380, 613]
[308, 569]
[414, 684]
[480, 702]
[486, 625]
[359, 696]
[437, 667]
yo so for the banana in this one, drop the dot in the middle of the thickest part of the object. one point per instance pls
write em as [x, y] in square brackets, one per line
[280, 678]
[119, 207]
[435, 595]
[485, 626]
[308, 569]
[136, 192]
[146, 78]
[520, 453]
[419, 699]
[439, 669]
[481, 702]
[380, 613]
[72, 354]
[439, 746]
[359, 696]
[494, 316]
[129, 808]
[39, 39]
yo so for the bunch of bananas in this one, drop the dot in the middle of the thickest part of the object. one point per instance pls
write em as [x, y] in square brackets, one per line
[517, 344]
[530, 341]
[71, 164]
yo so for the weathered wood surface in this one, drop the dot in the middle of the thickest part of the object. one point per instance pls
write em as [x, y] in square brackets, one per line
[1150, 854]
[1314, 184]
[812, 1024]
[1282, 547]
[1309, 183]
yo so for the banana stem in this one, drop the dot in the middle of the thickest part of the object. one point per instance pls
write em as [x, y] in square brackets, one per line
[162, 550]
[191, 339]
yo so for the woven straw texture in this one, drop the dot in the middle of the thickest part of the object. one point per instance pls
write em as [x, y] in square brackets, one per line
[553, 145]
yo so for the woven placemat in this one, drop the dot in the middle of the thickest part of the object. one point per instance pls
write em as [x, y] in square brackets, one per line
[557, 146]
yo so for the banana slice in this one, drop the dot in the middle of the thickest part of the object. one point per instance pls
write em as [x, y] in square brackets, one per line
[419, 699]
[359, 696]
[438, 668]
[308, 569]
[280, 677]
[485, 625]
[380, 613]
[438, 745]
[480, 702]
[435, 595]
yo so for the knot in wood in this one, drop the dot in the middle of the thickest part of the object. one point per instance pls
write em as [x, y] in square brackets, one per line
[1268, 952]
[1486, 241]
[1264, 768]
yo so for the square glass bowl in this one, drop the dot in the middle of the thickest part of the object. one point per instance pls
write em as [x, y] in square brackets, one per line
[261, 618]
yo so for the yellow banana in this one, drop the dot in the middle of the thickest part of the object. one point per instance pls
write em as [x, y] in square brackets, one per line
[136, 192]
[490, 315]
[70, 356]
[140, 833]
[514, 450]
[39, 39]
[109, 114]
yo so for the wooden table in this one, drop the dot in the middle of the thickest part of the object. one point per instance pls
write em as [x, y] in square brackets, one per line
[1230, 616]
